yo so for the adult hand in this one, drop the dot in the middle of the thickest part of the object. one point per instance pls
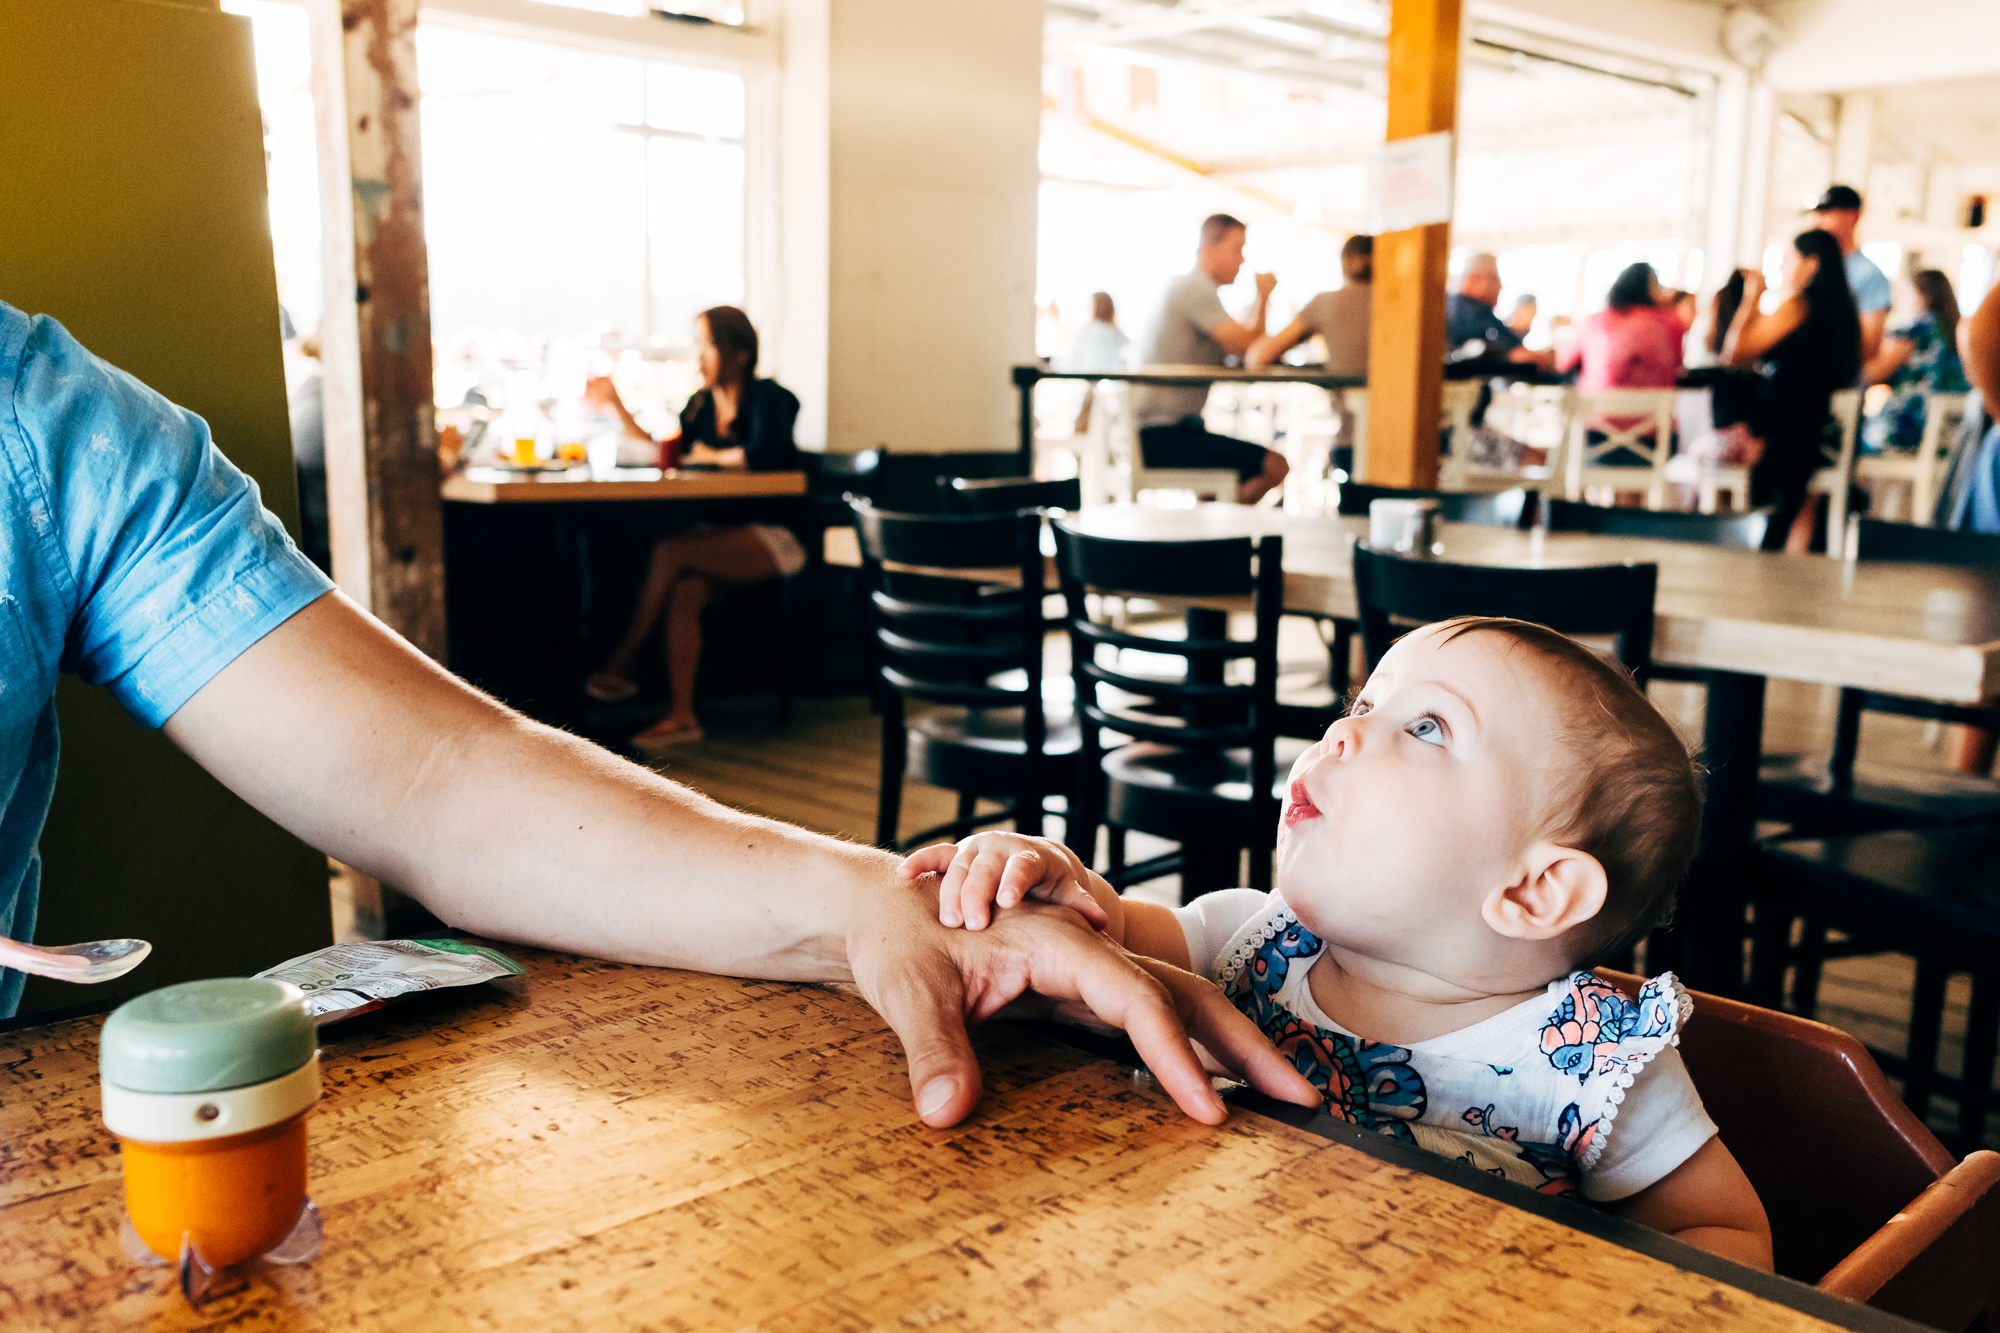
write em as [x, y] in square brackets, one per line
[599, 392]
[929, 982]
[1266, 284]
[1753, 282]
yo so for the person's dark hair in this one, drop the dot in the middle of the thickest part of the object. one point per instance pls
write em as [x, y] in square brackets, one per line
[735, 337]
[1830, 303]
[1633, 287]
[1728, 299]
[1218, 225]
[1934, 288]
[1633, 799]
[1357, 257]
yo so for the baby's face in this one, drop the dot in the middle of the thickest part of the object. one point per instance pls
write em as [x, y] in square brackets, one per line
[1408, 812]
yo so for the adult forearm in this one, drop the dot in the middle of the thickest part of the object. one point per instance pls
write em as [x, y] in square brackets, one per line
[345, 735]
[578, 849]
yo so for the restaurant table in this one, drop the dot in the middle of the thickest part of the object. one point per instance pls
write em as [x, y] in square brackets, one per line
[492, 485]
[542, 570]
[597, 1146]
[1027, 377]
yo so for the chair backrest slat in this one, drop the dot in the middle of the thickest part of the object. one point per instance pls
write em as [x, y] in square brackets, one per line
[1489, 509]
[1877, 539]
[992, 495]
[1601, 599]
[930, 646]
[1212, 712]
[1743, 532]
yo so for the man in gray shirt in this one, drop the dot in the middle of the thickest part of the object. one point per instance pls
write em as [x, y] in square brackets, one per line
[1193, 329]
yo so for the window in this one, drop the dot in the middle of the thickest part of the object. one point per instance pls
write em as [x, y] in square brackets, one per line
[575, 204]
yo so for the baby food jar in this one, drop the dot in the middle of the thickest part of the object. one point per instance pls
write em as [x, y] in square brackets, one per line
[207, 1085]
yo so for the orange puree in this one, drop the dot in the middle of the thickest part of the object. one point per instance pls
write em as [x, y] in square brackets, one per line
[238, 1195]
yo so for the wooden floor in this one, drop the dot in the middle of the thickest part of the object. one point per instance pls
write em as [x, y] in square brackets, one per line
[821, 773]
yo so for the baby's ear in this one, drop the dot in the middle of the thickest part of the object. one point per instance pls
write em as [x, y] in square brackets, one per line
[1560, 887]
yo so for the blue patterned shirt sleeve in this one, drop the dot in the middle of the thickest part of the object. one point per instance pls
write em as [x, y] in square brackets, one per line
[131, 552]
[169, 563]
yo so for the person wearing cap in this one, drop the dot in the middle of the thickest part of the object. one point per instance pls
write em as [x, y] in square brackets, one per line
[1838, 212]
[133, 554]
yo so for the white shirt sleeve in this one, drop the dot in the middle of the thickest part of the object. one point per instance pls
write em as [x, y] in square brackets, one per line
[1659, 1125]
[1210, 920]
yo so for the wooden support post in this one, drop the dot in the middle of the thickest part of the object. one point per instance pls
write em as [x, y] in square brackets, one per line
[383, 508]
[1406, 337]
[381, 445]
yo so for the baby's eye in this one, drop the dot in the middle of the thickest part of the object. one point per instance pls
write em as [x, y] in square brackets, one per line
[1358, 708]
[1427, 729]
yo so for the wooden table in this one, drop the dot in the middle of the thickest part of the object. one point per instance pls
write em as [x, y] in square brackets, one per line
[492, 485]
[632, 1148]
[543, 569]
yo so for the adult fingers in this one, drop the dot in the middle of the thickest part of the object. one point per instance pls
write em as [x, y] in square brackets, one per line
[924, 1005]
[1070, 962]
[1227, 1034]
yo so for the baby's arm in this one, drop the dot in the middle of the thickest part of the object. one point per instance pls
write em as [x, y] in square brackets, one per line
[1708, 1202]
[989, 870]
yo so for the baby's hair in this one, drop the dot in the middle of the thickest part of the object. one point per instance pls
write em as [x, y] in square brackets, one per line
[1634, 797]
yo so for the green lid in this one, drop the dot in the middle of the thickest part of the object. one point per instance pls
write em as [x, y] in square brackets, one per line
[204, 1036]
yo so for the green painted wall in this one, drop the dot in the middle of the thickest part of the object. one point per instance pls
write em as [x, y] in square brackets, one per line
[132, 209]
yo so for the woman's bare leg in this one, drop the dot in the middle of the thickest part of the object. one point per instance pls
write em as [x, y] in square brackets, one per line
[1976, 746]
[730, 556]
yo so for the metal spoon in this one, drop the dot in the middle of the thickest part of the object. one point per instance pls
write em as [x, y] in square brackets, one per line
[100, 960]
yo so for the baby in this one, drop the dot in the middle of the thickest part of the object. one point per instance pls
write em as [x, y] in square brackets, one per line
[1499, 810]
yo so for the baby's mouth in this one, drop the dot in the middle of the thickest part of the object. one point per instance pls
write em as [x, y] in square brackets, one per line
[1300, 806]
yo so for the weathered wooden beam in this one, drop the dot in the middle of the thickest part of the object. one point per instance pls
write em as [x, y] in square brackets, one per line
[1406, 331]
[384, 512]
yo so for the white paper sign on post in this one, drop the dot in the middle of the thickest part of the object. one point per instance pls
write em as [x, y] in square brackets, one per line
[1409, 183]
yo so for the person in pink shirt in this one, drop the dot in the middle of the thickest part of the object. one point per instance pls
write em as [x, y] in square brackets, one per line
[1635, 343]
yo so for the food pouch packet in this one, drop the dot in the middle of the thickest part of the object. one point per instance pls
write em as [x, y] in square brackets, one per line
[348, 980]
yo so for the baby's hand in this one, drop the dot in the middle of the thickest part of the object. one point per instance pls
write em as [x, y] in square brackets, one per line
[1001, 869]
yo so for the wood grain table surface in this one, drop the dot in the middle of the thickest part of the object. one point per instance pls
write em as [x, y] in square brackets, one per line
[614, 1147]
[487, 485]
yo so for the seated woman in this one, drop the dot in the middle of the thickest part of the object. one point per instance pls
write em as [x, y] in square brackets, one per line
[1917, 357]
[738, 421]
[1633, 343]
[1809, 347]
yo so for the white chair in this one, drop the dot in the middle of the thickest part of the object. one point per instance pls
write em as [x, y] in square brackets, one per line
[1638, 420]
[1693, 463]
[1888, 474]
[1115, 470]
[1837, 478]
[1536, 415]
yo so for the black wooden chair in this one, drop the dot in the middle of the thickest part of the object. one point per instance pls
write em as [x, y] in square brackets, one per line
[1396, 593]
[1933, 894]
[1742, 532]
[1495, 509]
[1499, 509]
[1843, 795]
[1197, 759]
[989, 495]
[972, 646]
